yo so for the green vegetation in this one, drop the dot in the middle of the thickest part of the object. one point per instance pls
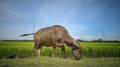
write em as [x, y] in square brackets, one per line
[105, 55]
[25, 49]
[16, 48]
[101, 49]
[59, 62]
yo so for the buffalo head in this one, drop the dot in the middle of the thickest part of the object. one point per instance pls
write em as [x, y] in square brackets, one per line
[77, 50]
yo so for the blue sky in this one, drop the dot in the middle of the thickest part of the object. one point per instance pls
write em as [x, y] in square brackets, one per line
[84, 19]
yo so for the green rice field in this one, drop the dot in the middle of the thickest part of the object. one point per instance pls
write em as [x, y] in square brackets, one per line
[89, 49]
[93, 55]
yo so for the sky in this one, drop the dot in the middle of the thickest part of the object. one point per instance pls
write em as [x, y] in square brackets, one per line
[84, 19]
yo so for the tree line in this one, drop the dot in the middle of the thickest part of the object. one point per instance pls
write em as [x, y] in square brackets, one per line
[99, 40]
[17, 40]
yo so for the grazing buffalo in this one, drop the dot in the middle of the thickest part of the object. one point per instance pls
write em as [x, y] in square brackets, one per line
[55, 36]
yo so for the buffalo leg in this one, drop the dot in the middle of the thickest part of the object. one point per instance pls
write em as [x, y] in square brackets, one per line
[53, 51]
[63, 52]
[37, 52]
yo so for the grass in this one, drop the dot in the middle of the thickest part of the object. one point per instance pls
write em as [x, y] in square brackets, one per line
[101, 49]
[89, 49]
[16, 48]
[94, 55]
[59, 62]
[26, 49]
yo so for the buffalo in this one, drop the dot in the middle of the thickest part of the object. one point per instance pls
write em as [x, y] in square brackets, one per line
[55, 36]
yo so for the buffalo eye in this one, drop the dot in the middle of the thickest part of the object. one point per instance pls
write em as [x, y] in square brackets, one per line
[74, 47]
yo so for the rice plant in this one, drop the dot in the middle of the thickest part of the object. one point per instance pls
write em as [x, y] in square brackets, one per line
[25, 49]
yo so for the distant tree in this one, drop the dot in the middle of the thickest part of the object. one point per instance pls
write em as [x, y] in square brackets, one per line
[79, 40]
[16, 40]
[99, 40]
